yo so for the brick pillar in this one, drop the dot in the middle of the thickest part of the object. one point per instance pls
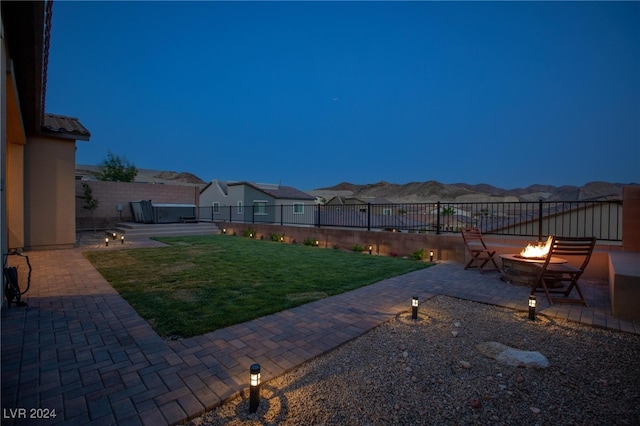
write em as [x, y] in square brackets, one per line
[631, 218]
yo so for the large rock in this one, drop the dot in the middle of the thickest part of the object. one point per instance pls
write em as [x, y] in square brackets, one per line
[511, 356]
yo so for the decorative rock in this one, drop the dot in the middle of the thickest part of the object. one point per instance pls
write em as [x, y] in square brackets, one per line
[457, 324]
[476, 403]
[454, 333]
[465, 364]
[534, 410]
[511, 356]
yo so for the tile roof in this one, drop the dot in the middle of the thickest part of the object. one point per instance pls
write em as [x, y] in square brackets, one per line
[65, 127]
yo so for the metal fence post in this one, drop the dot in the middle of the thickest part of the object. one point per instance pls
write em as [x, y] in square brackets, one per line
[540, 220]
[438, 218]
[368, 216]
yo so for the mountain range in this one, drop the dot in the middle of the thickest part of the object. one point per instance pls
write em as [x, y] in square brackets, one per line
[430, 191]
[415, 192]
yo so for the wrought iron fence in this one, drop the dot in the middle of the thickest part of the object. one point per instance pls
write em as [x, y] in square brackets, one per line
[601, 219]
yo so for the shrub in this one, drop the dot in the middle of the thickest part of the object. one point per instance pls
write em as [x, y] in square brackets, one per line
[418, 254]
[276, 237]
[357, 248]
[250, 232]
[310, 242]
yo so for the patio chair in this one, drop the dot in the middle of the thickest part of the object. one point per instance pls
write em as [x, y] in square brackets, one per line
[561, 278]
[480, 253]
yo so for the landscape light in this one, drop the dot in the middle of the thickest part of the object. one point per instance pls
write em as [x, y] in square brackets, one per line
[114, 235]
[414, 308]
[370, 248]
[254, 387]
[122, 239]
[431, 256]
[224, 230]
[532, 307]
[282, 239]
[106, 241]
[317, 243]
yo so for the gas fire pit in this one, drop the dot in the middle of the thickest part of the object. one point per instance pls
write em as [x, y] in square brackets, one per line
[520, 268]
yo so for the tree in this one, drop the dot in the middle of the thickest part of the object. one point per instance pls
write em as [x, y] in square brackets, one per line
[117, 169]
[90, 203]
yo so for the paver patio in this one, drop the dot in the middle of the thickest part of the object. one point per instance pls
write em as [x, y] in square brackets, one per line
[81, 349]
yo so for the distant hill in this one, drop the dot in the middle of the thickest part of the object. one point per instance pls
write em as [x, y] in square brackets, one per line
[431, 191]
[150, 176]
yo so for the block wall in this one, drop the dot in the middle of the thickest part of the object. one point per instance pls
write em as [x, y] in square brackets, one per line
[112, 194]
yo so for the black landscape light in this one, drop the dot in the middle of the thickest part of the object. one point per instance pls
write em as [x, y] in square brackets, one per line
[370, 248]
[122, 239]
[431, 256]
[282, 238]
[106, 241]
[414, 308]
[224, 230]
[532, 307]
[254, 387]
[114, 236]
[317, 243]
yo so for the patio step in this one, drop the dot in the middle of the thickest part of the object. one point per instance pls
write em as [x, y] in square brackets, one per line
[131, 229]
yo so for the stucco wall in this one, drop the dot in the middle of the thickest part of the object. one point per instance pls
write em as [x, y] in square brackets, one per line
[112, 194]
[49, 193]
[631, 218]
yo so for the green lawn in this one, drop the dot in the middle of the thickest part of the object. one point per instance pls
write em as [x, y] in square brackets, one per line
[199, 284]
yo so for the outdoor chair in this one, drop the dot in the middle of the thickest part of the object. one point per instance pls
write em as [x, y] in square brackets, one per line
[480, 253]
[561, 278]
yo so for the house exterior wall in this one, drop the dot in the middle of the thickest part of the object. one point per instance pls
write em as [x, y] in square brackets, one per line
[15, 195]
[3, 148]
[112, 194]
[49, 193]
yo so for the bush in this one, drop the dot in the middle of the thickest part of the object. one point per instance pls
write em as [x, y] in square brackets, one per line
[310, 242]
[250, 232]
[418, 254]
[357, 248]
[276, 237]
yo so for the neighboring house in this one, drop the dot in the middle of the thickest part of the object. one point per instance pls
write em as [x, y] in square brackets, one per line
[255, 203]
[37, 157]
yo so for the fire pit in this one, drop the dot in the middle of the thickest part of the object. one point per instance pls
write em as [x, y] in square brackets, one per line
[520, 268]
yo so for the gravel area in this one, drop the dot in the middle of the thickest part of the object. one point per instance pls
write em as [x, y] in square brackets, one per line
[428, 371]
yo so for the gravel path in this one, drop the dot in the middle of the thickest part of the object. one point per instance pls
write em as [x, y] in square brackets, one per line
[428, 371]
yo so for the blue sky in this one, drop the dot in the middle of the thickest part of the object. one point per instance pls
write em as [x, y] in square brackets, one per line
[310, 94]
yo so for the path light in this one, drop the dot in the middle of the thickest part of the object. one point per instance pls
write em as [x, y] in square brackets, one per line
[224, 230]
[532, 307]
[106, 241]
[114, 235]
[317, 243]
[122, 239]
[431, 256]
[370, 248]
[282, 238]
[254, 387]
[414, 308]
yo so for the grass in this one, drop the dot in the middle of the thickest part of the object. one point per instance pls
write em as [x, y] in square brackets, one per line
[203, 283]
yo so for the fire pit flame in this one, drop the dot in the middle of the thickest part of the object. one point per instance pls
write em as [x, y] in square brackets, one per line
[538, 251]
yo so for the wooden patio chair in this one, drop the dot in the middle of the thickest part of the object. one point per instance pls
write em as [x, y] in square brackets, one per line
[480, 253]
[561, 277]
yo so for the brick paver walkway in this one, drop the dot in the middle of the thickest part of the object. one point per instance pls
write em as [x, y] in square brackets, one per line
[80, 349]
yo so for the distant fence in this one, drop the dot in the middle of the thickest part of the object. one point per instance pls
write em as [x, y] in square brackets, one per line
[601, 219]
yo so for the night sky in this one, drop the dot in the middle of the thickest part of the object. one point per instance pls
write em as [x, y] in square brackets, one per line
[310, 94]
